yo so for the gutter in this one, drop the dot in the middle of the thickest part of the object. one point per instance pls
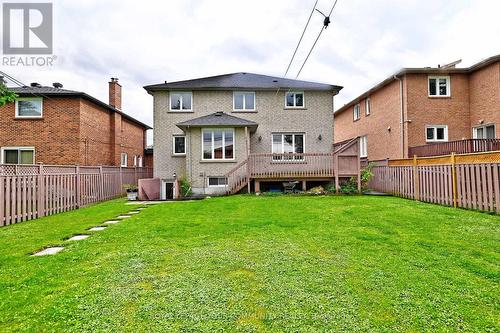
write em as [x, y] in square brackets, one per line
[402, 120]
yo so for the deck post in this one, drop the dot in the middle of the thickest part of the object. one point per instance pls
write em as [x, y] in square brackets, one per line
[304, 185]
[257, 186]
[336, 171]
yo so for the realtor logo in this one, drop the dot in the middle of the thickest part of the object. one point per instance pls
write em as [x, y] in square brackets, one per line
[27, 28]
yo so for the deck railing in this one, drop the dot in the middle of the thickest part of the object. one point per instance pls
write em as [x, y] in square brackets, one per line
[459, 147]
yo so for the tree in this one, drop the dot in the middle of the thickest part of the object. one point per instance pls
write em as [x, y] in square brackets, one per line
[6, 96]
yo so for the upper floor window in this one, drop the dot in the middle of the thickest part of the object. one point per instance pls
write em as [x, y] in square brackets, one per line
[368, 106]
[363, 146]
[18, 155]
[356, 112]
[436, 133]
[181, 101]
[179, 145]
[243, 101]
[439, 86]
[29, 107]
[484, 132]
[294, 99]
[123, 159]
[218, 144]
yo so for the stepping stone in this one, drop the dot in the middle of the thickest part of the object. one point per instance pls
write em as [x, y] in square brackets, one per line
[141, 208]
[97, 228]
[48, 251]
[133, 212]
[112, 222]
[123, 216]
[78, 237]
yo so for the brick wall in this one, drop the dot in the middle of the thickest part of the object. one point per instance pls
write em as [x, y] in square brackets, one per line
[485, 96]
[132, 140]
[385, 113]
[55, 136]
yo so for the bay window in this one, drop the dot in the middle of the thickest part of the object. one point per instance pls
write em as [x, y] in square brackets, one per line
[218, 144]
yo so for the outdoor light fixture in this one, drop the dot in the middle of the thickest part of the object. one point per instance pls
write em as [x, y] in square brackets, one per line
[260, 138]
[320, 137]
[389, 128]
[175, 175]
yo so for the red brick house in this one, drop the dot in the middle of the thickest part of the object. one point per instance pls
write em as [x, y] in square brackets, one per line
[52, 125]
[422, 106]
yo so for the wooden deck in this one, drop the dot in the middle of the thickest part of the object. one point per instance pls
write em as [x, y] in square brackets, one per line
[344, 162]
[458, 147]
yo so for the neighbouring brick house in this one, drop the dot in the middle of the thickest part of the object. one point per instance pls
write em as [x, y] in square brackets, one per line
[51, 125]
[418, 106]
[226, 132]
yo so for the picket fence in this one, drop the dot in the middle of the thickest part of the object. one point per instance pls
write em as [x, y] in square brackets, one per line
[32, 191]
[465, 181]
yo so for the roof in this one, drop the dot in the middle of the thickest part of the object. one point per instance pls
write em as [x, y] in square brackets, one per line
[242, 81]
[217, 119]
[421, 70]
[43, 91]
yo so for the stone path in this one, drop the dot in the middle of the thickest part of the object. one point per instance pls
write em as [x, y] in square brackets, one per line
[78, 237]
[49, 251]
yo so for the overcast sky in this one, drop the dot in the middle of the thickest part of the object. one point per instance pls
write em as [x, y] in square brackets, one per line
[146, 42]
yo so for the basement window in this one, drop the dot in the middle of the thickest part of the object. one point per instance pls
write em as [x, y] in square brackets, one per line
[217, 181]
[18, 155]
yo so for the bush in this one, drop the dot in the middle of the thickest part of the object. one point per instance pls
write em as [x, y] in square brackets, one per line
[330, 188]
[185, 187]
[366, 175]
[350, 186]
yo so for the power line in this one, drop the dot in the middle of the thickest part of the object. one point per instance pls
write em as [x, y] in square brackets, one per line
[326, 22]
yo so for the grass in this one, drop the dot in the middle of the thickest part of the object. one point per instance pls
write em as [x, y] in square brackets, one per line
[251, 264]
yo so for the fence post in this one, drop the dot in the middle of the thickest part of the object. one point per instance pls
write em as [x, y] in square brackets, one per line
[41, 192]
[78, 188]
[454, 179]
[101, 175]
[121, 181]
[416, 180]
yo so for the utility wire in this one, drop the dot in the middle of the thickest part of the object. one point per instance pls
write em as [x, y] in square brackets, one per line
[326, 22]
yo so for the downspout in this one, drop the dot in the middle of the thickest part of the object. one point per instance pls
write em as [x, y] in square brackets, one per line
[402, 116]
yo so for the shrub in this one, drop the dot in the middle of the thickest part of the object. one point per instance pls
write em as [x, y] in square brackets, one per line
[350, 186]
[366, 175]
[185, 187]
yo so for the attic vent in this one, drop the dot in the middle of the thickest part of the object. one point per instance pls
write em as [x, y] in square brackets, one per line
[35, 85]
[219, 113]
[57, 85]
[275, 80]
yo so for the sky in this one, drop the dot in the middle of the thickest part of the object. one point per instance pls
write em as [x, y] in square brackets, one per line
[148, 42]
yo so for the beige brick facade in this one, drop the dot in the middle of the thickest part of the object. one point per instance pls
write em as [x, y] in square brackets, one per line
[474, 100]
[270, 114]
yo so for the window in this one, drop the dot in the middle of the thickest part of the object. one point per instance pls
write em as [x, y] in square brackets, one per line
[363, 146]
[218, 144]
[356, 112]
[368, 106]
[123, 159]
[217, 181]
[179, 145]
[18, 155]
[439, 86]
[294, 100]
[139, 161]
[436, 133]
[181, 101]
[288, 143]
[484, 132]
[135, 160]
[29, 107]
[243, 101]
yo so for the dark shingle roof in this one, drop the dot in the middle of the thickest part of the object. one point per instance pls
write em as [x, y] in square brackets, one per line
[217, 119]
[42, 91]
[242, 81]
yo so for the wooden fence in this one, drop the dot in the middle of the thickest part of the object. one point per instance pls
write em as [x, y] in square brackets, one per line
[31, 191]
[468, 180]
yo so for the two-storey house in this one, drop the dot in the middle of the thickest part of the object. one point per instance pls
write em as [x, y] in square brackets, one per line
[52, 125]
[225, 132]
[418, 107]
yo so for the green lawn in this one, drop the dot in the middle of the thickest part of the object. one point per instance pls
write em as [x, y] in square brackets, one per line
[247, 263]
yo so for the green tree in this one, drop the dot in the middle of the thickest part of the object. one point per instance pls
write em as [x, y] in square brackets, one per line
[6, 95]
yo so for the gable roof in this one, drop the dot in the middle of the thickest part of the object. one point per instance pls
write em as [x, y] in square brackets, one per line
[420, 70]
[217, 119]
[44, 91]
[242, 80]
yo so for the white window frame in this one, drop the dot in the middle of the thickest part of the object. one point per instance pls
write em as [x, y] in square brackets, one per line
[448, 86]
[135, 160]
[19, 149]
[295, 100]
[293, 134]
[139, 161]
[212, 130]
[122, 155]
[356, 111]
[173, 144]
[29, 99]
[244, 101]
[475, 128]
[435, 127]
[182, 102]
[363, 146]
[218, 177]
[368, 106]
